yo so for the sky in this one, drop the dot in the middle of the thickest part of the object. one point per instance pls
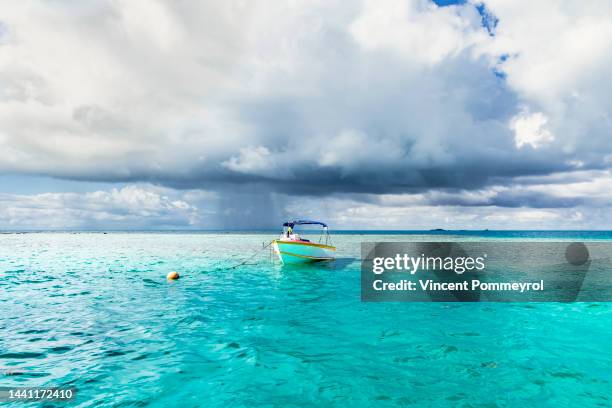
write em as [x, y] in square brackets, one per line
[410, 114]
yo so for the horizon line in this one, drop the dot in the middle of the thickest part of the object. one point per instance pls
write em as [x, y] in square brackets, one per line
[76, 230]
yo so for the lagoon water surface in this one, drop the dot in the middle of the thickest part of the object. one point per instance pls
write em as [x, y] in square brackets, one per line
[94, 311]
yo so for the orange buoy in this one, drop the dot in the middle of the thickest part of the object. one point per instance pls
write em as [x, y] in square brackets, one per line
[173, 275]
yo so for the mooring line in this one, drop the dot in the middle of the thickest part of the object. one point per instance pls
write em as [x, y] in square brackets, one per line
[246, 260]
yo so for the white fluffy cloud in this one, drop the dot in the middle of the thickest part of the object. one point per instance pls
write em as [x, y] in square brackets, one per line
[530, 129]
[556, 57]
[126, 208]
[253, 160]
[418, 30]
[115, 89]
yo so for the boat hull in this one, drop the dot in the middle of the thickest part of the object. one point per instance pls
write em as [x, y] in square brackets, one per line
[297, 252]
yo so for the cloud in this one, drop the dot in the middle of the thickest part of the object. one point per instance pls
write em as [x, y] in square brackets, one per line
[253, 160]
[454, 106]
[131, 207]
[530, 129]
[555, 57]
[349, 213]
[527, 204]
[418, 30]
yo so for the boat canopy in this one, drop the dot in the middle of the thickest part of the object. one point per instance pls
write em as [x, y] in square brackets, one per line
[303, 222]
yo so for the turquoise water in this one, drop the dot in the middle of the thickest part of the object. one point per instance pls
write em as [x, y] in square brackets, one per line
[94, 311]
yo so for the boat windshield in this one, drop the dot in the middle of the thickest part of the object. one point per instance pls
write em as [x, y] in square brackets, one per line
[289, 232]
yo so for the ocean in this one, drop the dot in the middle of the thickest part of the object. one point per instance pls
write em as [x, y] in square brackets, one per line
[95, 312]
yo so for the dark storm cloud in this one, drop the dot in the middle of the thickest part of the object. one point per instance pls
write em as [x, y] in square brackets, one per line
[255, 101]
[511, 199]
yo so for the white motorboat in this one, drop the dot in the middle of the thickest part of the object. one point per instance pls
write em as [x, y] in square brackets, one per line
[291, 248]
